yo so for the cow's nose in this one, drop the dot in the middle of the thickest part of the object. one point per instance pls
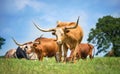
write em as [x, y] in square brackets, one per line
[59, 42]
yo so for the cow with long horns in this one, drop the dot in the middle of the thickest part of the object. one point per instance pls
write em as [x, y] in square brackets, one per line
[44, 47]
[22, 48]
[68, 35]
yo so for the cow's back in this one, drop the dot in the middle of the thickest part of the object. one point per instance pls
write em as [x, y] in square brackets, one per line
[10, 53]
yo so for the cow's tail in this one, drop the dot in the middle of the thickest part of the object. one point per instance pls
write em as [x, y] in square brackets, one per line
[93, 49]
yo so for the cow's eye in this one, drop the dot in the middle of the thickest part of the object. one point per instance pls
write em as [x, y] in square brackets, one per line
[26, 47]
[66, 31]
[53, 33]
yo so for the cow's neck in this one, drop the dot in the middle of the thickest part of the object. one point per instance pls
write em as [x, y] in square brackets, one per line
[71, 42]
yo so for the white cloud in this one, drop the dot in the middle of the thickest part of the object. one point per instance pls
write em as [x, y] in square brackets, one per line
[21, 4]
[36, 5]
[18, 5]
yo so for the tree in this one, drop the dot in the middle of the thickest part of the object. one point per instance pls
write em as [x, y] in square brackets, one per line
[2, 40]
[106, 34]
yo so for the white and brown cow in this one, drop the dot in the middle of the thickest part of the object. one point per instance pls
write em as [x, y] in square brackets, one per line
[10, 53]
[22, 48]
[68, 35]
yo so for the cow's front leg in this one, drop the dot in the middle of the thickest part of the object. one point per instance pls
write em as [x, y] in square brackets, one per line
[58, 55]
[65, 49]
[40, 57]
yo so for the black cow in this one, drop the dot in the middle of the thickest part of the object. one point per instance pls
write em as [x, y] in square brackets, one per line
[20, 53]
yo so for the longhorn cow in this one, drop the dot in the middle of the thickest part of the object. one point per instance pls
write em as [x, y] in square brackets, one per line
[22, 48]
[68, 35]
[44, 47]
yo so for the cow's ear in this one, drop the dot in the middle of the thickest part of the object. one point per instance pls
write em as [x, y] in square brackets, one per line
[39, 42]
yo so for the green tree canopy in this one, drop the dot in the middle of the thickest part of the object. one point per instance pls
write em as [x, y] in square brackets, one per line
[2, 40]
[106, 34]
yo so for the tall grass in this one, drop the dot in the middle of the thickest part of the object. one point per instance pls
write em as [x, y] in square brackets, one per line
[102, 65]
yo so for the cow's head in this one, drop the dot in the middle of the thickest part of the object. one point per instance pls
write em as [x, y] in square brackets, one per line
[59, 32]
[25, 47]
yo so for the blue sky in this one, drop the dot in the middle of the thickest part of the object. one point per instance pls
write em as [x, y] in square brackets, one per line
[16, 17]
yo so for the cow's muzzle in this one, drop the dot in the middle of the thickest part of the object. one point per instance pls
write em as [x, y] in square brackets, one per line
[59, 42]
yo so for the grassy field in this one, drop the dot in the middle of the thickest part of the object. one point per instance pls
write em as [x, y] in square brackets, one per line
[104, 65]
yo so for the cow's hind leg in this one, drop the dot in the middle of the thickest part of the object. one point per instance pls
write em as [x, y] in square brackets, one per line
[90, 54]
[75, 53]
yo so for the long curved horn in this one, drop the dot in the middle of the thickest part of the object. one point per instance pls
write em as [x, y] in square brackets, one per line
[72, 27]
[49, 30]
[16, 42]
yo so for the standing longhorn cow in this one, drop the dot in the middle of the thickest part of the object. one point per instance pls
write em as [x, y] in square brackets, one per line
[68, 35]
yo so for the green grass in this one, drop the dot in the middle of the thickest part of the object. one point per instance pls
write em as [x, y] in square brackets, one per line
[104, 65]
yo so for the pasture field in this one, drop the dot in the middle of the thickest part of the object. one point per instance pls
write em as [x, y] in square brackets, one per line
[101, 65]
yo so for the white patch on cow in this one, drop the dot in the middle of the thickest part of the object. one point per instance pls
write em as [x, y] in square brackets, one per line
[68, 53]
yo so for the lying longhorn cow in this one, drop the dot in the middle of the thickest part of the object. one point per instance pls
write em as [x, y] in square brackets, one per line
[44, 47]
[21, 50]
[67, 34]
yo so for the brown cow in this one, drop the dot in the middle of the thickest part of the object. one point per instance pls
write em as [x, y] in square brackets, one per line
[83, 51]
[44, 47]
[111, 53]
[67, 34]
[10, 53]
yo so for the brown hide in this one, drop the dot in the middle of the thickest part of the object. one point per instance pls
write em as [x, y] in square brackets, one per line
[110, 53]
[74, 35]
[10, 53]
[82, 52]
[46, 47]
[72, 38]
[68, 35]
